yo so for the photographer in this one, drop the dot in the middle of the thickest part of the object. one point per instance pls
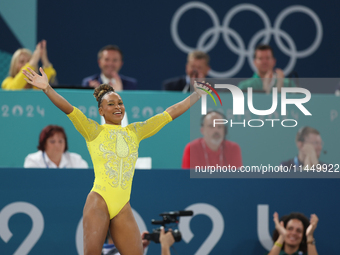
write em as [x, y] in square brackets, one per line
[166, 240]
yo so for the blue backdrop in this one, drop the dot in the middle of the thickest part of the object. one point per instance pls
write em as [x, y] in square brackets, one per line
[230, 216]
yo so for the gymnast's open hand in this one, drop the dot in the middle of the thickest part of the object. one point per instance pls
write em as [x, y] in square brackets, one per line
[39, 81]
[202, 88]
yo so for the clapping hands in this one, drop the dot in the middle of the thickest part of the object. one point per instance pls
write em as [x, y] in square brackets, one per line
[279, 226]
[313, 223]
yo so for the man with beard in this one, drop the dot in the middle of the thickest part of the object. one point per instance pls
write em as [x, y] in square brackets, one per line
[212, 149]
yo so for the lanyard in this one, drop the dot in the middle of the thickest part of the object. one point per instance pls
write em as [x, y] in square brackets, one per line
[206, 153]
[296, 161]
[44, 158]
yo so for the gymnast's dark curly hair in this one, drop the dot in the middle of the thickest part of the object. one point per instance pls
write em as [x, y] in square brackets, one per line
[101, 91]
[305, 222]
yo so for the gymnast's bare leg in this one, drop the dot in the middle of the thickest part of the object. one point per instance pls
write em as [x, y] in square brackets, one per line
[125, 232]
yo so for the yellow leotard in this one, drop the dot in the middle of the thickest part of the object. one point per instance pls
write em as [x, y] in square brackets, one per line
[114, 151]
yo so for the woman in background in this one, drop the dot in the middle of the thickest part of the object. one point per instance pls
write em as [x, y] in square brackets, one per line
[53, 151]
[22, 59]
[293, 235]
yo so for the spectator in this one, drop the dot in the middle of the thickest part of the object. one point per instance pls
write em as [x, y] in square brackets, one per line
[53, 151]
[110, 61]
[197, 67]
[213, 149]
[266, 77]
[24, 58]
[294, 235]
[309, 144]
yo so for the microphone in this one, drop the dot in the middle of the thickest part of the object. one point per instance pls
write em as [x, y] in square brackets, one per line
[178, 213]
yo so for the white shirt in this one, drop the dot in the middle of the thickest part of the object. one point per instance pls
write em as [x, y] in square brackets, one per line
[40, 159]
[107, 80]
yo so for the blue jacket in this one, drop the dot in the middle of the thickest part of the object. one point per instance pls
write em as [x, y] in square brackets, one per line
[128, 82]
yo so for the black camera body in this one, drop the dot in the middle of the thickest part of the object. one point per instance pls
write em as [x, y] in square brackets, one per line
[168, 217]
[154, 236]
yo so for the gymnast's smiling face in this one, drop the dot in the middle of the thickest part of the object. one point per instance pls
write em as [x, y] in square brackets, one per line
[112, 108]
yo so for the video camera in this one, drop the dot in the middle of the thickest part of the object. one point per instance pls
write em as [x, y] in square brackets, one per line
[168, 217]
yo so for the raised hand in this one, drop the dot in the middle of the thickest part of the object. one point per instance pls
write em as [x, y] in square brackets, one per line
[202, 88]
[44, 58]
[118, 86]
[36, 56]
[279, 226]
[280, 76]
[39, 81]
[166, 239]
[313, 223]
[94, 83]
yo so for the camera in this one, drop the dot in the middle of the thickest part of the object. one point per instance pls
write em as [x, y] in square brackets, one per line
[168, 217]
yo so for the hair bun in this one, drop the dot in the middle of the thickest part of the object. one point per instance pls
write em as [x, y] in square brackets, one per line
[100, 91]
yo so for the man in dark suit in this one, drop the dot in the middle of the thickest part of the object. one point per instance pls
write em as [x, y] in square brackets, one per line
[110, 61]
[197, 67]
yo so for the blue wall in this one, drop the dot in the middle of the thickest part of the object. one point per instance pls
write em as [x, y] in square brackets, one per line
[236, 214]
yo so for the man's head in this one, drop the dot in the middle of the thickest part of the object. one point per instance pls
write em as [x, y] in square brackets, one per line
[197, 64]
[264, 59]
[308, 135]
[110, 60]
[213, 135]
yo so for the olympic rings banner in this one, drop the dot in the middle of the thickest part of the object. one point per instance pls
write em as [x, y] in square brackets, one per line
[41, 212]
[156, 39]
[244, 51]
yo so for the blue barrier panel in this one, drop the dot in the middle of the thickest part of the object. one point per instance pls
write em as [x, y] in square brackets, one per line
[230, 216]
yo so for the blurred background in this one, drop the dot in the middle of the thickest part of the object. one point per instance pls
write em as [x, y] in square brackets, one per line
[155, 38]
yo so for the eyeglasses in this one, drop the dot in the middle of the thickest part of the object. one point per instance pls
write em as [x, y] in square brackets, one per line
[315, 143]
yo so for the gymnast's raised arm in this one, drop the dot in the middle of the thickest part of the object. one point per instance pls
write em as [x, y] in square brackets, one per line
[178, 109]
[41, 82]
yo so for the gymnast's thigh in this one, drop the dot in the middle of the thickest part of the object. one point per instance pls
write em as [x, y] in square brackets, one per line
[125, 232]
[96, 222]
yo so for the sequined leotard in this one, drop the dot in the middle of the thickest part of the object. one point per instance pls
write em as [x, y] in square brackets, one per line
[114, 151]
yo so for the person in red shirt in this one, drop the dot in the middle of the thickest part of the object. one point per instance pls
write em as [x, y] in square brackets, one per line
[213, 148]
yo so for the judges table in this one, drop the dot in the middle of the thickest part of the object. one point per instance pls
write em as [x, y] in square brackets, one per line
[41, 210]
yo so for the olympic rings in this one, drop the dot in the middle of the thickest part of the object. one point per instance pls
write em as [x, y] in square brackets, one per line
[240, 48]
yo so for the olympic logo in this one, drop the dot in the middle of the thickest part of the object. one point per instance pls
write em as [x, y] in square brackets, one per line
[240, 48]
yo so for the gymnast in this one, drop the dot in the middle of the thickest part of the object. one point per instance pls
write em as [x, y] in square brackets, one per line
[114, 151]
